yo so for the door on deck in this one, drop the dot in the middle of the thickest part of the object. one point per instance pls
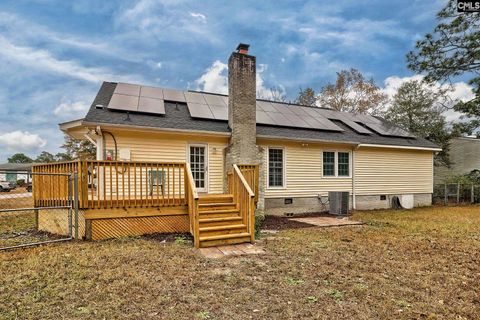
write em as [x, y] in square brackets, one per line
[198, 158]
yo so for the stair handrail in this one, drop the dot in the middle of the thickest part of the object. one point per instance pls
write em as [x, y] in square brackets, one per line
[244, 181]
[249, 213]
[192, 202]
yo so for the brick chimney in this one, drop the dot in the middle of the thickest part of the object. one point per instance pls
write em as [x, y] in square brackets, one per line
[243, 147]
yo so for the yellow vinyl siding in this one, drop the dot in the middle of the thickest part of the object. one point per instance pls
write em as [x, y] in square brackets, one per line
[166, 147]
[303, 176]
[393, 171]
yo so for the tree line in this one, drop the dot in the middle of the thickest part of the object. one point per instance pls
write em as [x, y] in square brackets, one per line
[75, 149]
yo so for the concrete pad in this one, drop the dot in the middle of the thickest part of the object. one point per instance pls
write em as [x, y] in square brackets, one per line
[211, 253]
[231, 250]
[327, 221]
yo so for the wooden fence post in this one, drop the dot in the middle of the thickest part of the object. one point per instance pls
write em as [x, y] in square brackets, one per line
[458, 192]
[445, 194]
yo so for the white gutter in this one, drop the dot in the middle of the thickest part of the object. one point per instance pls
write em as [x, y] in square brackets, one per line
[173, 130]
[397, 147]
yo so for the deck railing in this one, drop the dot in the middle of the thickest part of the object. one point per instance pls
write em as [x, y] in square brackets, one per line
[244, 197]
[192, 202]
[251, 175]
[113, 184]
[51, 185]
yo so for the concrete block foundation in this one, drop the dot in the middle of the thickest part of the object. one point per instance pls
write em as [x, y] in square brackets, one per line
[282, 206]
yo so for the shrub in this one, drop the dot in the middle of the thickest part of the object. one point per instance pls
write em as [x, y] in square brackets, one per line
[259, 219]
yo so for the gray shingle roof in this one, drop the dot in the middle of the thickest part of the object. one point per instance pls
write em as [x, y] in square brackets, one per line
[177, 117]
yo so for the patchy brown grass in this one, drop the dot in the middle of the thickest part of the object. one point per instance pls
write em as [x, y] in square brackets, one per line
[420, 264]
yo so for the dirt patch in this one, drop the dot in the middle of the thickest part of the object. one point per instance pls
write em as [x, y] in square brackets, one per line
[284, 223]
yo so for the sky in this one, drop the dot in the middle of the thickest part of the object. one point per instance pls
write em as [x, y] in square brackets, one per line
[54, 55]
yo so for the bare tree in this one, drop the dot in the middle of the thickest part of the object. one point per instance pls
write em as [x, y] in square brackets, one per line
[351, 92]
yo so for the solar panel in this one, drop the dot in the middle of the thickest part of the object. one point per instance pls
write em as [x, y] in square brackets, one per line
[214, 100]
[151, 105]
[128, 89]
[388, 130]
[151, 92]
[299, 111]
[131, 97]
[219, 112]
[298, 121]
[123, 102]
[358, 128]
[280, 119]
[282, 108]
[311, 112]
[195, 97]
[266, 106]
[263, 118]
[199, 110]
[173, 95]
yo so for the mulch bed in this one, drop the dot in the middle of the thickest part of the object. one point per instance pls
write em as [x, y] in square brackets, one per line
[282, 223]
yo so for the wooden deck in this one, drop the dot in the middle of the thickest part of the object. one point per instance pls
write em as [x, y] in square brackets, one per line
[118, 198]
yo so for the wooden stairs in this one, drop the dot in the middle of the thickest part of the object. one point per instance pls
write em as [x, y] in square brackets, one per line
[220, 222]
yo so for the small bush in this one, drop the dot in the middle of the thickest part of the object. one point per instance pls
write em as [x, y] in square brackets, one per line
[259, 219]
[20, 182]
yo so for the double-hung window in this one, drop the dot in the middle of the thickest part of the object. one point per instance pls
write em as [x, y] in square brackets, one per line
[336, 164]
[328, 164]
[275, 168]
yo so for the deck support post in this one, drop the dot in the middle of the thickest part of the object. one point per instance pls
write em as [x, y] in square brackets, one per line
[75, 201]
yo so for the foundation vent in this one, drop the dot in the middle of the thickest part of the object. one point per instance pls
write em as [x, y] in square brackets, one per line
[338, 202]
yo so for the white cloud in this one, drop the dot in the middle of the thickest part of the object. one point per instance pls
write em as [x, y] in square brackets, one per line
[29, 32]
[198, 16]
[461, 91]
[215, 79]
[21, 141]
[71, 109]
[43, 60]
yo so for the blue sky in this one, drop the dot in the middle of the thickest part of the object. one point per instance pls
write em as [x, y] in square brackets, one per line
[54, 54]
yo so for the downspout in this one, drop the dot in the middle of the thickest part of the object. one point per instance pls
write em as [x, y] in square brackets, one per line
[354, 191]
[100, 143]
[114, 142]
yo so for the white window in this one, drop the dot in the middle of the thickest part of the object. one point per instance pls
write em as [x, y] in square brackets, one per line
[336, 164]
[275, 168]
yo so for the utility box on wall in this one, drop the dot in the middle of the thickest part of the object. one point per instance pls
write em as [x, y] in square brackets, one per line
[339, 202]
[124, 154]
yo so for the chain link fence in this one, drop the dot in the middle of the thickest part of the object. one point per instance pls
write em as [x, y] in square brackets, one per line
[456, 193]
[23, 224]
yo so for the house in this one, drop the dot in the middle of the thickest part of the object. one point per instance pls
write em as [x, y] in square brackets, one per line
[464, 155]
[288, 157]
[12, 172]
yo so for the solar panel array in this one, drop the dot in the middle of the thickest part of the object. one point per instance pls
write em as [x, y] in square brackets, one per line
[135, 98]
[211, 106]
[129, 97]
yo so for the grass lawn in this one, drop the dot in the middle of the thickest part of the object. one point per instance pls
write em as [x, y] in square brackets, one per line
[420, 264]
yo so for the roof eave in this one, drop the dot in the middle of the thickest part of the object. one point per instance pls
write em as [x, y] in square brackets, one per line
[113, 125]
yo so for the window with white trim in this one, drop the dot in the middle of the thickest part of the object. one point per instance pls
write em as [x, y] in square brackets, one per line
[329, 164]
[336, 164]
[275, 167]
[343, 164]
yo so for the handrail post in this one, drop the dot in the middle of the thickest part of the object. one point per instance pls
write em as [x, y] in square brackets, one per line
[75, 201]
